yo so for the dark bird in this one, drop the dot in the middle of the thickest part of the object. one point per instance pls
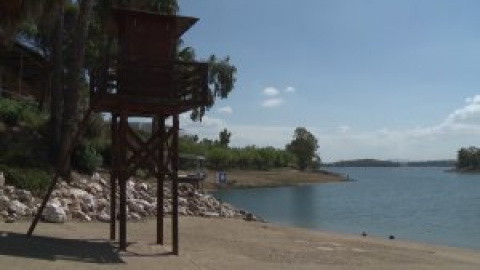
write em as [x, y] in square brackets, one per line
[391, 237]
[364, 234]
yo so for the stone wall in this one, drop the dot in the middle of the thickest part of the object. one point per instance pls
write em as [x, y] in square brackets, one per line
[88, 199]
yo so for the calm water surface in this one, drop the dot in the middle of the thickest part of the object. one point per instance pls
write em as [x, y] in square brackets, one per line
[420, 204]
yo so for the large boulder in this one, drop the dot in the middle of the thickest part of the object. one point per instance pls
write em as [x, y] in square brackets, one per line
[103, 216]
[2, 180]
[136, 206]
[82, 216]
[96, 177]
[19, 208]
[4, 202]
[94, 188]
[54, 212]
[89, 203]
[134, 216]
[24, 196]
[76, 193]
[9, 190]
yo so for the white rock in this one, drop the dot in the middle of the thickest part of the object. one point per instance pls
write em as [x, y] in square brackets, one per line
[76, 206]
[136, 207]
[182, 210]
[24, 196]
[54, 212]
[150, 208]
[135, 216]
[66, 202]
[64, 191]
[182, 201]
[19, 208]
[89, 202]
[211, 215]
[33, 210]
[96, 177]
[82, 182]
[94, 188]
[56, 193]
[10, 219]
[102, 204]
[226, 213]
[130, 185]
[103, 216]
[141, 187]
[76, 193]
[83, 217]
[2, 180]
[9, 189]
[4, 202]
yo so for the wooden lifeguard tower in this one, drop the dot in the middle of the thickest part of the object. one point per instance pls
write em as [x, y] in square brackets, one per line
[145, 79]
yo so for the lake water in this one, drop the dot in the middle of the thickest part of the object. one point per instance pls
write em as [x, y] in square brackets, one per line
[420, 204]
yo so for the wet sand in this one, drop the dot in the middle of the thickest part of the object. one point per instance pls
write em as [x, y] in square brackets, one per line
[217, 244]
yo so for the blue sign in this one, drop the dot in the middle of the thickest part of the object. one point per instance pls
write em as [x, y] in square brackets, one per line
[221, 177]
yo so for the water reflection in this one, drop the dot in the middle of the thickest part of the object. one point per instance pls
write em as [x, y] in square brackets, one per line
[423, 204]
[304, 210]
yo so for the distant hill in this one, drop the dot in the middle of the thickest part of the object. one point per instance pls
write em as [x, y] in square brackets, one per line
[364, 163]
[433, 163]
[387, 163]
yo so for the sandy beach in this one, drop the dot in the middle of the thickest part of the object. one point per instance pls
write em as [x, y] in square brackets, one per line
[217, 244]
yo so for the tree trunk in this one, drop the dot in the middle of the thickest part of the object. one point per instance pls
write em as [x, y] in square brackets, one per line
[74, 84]
[56, 98]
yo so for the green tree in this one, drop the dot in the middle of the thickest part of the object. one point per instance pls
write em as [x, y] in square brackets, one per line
[224, 137]
[303, 147]
[468, 158]
[218, 158]
[75, 79]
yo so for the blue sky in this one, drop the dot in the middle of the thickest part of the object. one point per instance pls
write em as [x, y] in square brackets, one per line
[370, 79]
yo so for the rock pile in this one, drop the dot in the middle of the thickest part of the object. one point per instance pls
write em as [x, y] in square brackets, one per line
[89, 199]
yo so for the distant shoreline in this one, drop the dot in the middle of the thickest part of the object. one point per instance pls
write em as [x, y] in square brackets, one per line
[389, 163]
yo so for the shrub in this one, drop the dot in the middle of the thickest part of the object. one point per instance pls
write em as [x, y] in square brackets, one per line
[14, 113]
[9, 111]
[35, 180]
[86, 158]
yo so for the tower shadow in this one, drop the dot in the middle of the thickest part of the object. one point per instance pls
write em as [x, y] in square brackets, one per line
[52, 249]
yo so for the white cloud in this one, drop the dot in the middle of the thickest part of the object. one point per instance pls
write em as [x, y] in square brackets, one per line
[469, 115]
[270, 91]
[290, 89]
[226, 110]
[460, 128]
[344, 128]
[272, 102]
[209, 127]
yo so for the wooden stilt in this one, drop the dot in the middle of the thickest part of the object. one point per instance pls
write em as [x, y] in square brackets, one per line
[123, 177]
[113, 179]
[123, 213]
[174, 174]
[113, 206]
[160, 179]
